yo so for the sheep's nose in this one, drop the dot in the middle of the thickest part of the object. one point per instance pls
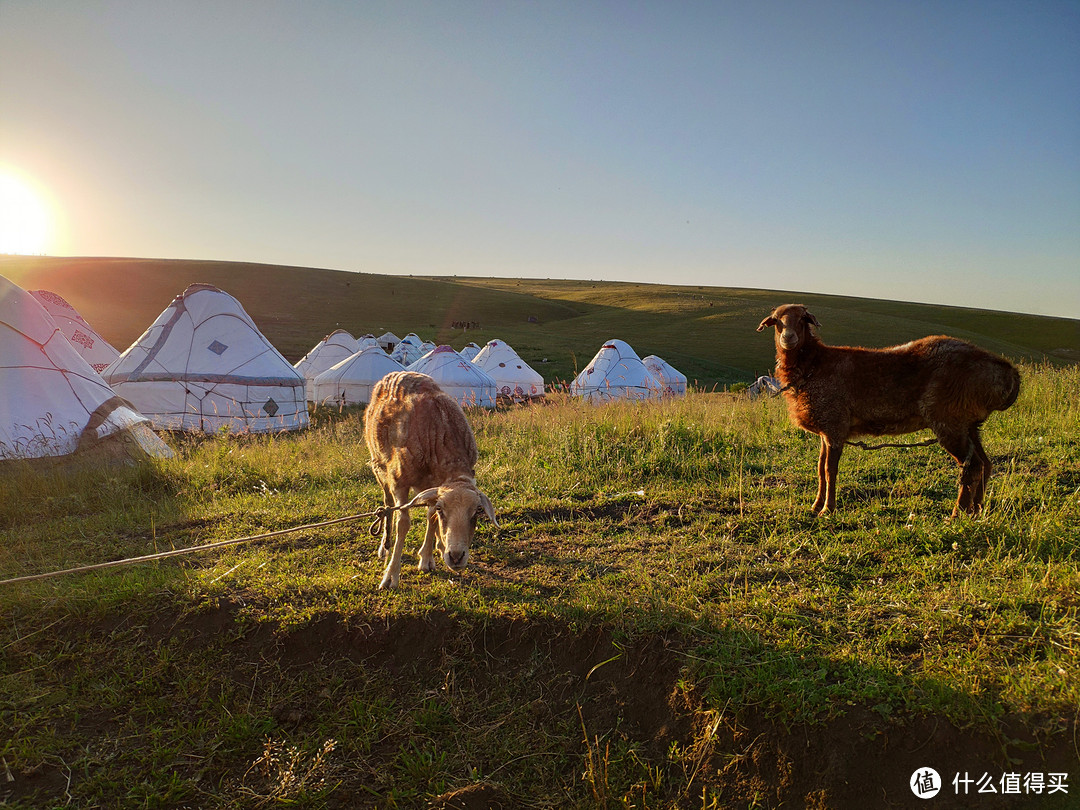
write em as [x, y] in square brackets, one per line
[456, 558]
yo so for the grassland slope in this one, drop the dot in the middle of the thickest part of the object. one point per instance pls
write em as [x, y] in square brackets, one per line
[557, 326]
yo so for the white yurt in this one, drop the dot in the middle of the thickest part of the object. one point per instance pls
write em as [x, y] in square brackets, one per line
[409, 350]
[616, 372]
[203, 365]
[328, 352]
[470, 351]
[365, 341]
[674, 381]
[514, 378]
[52, 403]
[94, 349]
[388, 341]
[468, 384]
[350, 381]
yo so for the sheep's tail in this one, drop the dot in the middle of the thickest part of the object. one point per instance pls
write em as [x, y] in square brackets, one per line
[1006, 387]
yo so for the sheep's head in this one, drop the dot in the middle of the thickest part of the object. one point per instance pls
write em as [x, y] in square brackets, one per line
[455, 508]
[792, 322]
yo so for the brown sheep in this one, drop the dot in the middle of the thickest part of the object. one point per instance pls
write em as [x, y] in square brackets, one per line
[947, 385]
[419, 439]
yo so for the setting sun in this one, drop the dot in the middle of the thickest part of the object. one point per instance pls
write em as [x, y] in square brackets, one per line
[24, 216]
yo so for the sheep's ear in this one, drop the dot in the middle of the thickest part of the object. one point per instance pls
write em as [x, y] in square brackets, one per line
[488, 509]
[812, 320]
[426, 498]
[765, 324]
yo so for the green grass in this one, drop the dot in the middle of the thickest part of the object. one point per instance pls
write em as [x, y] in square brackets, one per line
[598, 651]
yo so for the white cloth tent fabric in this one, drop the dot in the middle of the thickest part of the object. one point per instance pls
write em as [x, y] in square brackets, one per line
[616, 372]
[350, 381]
[94, 349]
[52, 403]
[328, 352]
[365, 341]
[203, 365]
[388, 341]
[409, 350]
[466, 383]
[673, 380]
[514, 378]
[470, 351]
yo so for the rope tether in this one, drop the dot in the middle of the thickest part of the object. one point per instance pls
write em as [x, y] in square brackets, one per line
[381, 514]
[866, 446]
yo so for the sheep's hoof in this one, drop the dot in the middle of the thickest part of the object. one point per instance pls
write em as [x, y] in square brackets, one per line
[428, 566]
[388, 583]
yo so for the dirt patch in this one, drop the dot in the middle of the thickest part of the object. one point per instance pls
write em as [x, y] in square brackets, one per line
[586, 694]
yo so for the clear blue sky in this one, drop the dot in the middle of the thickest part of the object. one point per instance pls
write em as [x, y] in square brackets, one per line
[924, 150]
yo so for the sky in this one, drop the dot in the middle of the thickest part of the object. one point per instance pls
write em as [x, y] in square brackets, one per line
[919, 150]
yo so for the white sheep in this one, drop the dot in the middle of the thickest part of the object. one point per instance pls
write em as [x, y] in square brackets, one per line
[419, 440]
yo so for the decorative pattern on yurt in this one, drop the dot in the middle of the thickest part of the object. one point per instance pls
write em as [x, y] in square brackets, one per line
[514, 378]
[52, 403]
[94, 349]
[203, 365]
[674, 381]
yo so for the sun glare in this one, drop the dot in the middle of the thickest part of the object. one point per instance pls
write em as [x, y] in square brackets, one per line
[24, 216]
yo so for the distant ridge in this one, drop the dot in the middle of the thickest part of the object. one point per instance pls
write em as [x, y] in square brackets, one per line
[705, 332]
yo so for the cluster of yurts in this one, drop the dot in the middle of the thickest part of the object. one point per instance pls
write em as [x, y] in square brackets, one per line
[203, 365]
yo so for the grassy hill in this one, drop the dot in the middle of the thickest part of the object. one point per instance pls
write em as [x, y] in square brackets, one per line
[706, 332]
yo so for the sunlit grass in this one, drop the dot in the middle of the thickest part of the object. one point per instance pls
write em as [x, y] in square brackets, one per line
[688, 516]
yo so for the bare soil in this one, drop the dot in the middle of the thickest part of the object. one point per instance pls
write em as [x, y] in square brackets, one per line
[635, 690]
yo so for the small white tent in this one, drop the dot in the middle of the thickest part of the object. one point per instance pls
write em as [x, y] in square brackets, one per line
[458, 377]
[328, 352]
[616, 372]
[514, 378]
[94, 349]
[470, 351]
[388, 341]
[350, 381]
[52, 403]
[203, 365]
[673, 380]
[409, 350]
[365, 341]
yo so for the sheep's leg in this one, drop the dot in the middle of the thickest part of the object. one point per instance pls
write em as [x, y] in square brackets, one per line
[960, 446]
[393, 565]
[985, 466]
[833, 449]
[819, 501]
[388, 524]
[427, 558]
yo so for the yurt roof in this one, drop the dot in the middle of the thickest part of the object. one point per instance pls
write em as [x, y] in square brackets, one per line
[667, 372]
[616, 372]
[97, 351]
[457, 376]
[513, 376]
[52, 403]
[332, 349]
[351, 380]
